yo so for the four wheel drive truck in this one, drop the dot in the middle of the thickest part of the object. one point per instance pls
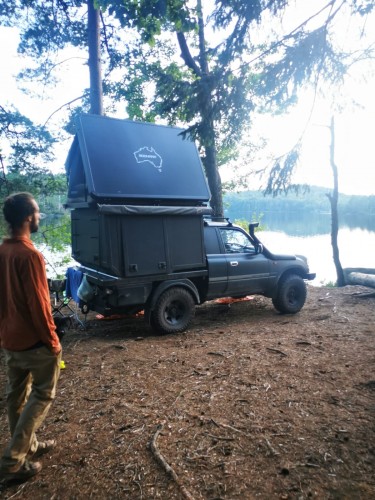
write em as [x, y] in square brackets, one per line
[143, 233]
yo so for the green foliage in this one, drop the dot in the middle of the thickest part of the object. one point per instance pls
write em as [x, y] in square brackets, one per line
[204, 84]
[194, 82]
[329, 284]
[306, 54]
[170, 60]
[42, 184]
[280, 175]
[49, 25]
[149, 17]
[363, 8]
[55, 232]
[54, 241]
[29, 144]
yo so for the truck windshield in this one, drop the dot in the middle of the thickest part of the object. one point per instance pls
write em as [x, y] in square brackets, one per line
[235, 241]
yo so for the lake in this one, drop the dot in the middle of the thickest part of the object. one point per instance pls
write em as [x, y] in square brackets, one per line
[309, 235]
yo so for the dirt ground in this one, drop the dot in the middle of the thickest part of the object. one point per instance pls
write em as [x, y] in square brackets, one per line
[246, 404]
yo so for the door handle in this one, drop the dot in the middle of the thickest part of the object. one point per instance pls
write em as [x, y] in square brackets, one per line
[234, 263]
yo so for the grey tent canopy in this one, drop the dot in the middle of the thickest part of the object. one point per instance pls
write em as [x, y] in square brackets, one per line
[123, 161]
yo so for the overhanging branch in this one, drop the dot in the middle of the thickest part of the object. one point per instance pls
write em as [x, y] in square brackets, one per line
[290, 35]
[186, 56]
[63, 106]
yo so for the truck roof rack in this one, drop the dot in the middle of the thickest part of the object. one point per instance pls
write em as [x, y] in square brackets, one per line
[210, 218]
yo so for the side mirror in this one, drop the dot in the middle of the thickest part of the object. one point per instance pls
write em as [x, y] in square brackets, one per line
[259, 248]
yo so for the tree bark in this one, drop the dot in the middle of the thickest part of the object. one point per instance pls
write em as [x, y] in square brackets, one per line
[214, 181]
[208, 128]
[333, 199]
[207, 132]
[93, 31]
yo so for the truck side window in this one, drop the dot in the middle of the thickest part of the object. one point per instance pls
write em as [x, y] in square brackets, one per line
[236, 241]
[211, 242]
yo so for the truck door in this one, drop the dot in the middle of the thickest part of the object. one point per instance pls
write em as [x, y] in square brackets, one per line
[248, 271]
[217, 265]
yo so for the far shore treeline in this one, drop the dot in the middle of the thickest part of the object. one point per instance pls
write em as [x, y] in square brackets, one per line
[51, 196]
[314, 200]
[308, 212]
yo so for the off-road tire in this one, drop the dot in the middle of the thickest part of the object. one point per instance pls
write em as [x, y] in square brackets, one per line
[173, 312]
[291, 294]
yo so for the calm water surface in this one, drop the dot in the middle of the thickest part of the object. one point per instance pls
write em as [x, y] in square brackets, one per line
[309, 234]
[356, 247]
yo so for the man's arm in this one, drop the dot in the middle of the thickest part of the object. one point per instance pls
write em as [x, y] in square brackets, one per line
[38, 301]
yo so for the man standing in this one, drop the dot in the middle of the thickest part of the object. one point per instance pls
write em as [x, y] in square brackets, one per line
[31, 348]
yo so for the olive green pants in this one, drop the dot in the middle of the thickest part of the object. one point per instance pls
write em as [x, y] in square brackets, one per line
[31, 388]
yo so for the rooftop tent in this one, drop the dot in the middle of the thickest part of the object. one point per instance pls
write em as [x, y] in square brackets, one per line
[123, 161]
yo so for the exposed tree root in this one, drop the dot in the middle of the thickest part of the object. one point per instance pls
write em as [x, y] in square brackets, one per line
[365, 295]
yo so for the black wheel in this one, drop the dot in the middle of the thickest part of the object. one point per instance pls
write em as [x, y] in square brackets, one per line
[291, 294]
[173, 311]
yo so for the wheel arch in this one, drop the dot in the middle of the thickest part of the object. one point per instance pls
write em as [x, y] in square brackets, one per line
[288, 272]
[166, 285]
[153, 311]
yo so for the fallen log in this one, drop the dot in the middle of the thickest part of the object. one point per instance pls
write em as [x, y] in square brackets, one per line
[362, 279]
[360, 276]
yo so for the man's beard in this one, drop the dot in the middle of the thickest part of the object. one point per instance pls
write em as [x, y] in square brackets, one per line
[34, 226]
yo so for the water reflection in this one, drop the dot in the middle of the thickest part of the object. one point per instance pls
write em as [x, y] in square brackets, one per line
[309, 234]
[355, 246]
[54, 241]
[307, 223]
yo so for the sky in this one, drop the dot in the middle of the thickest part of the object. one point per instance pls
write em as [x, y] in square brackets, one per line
[355, 125]
[73, 77]
[354, 137]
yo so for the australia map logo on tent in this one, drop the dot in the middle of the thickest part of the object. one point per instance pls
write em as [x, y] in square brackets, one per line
[148, 154]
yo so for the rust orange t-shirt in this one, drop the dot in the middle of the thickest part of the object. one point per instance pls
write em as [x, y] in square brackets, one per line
[25, 307]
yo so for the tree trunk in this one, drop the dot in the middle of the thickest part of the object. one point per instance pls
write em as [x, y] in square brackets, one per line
[3, 177]
[208, 129]
[333, 199]
[214, 181]
[207, 133]
[93, 30]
